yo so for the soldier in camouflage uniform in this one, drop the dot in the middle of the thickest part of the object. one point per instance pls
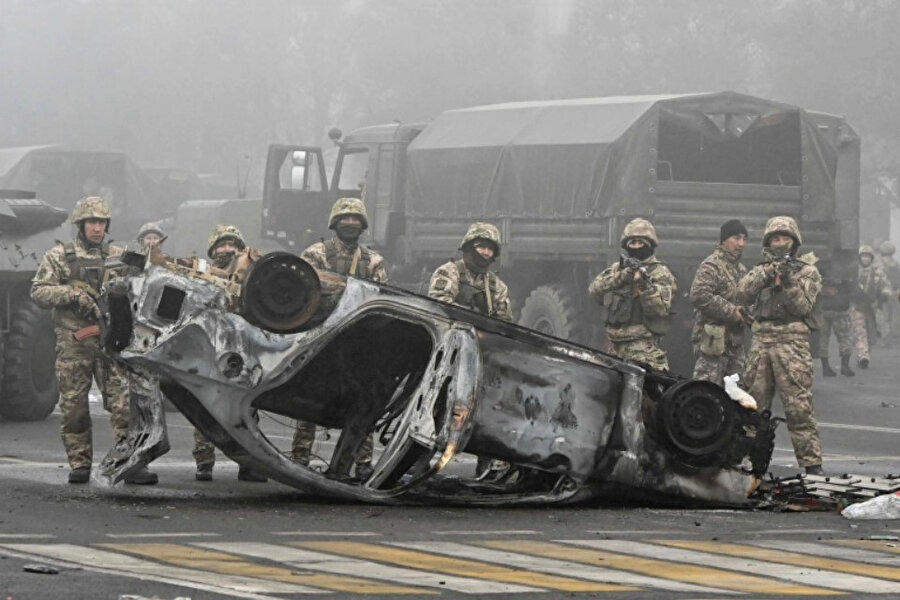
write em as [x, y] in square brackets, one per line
[783, 290]
[68, 281]
[150, 234]
[225, 242]
[889, 314]
[463, 282]
[637, 301]
[344, 255]
[719, 323]
[874, 288]
[469, 282]
[835, 303]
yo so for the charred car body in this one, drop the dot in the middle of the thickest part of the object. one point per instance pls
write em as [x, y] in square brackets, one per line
[430, 381]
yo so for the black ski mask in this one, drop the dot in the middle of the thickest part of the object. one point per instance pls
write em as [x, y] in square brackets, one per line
[642, 253]
[475, 262]
[349, 233]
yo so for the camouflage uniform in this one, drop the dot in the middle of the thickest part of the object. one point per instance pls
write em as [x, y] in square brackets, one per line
[889, 315]
[834, 300]
[68, 277]
[455, 282]
[783, 297]
[718, 334]
[637, 312]
[348, 259]
[874, 287]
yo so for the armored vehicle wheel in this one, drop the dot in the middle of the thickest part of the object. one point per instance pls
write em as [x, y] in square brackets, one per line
[551, 310]
[30, 391]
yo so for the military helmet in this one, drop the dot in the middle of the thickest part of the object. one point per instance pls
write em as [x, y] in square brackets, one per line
[152, 227]
[483, 231]
[866, 249]
[784, 226]
[221, 233]
[639, 228]
[887, 248]
[90, 207]
[348, 206]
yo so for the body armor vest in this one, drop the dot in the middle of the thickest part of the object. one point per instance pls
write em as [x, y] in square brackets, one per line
[87, 270]
[341, 263]
[623, 308]
[471, 296]
[835, 296]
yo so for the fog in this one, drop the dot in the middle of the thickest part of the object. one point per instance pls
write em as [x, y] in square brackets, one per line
[207, 85]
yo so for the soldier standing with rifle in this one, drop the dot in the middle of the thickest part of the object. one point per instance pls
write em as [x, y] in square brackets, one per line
[344, 255]
[719, 322]
[874, 288]
[783, 291]
[636, 293]
[68, 281]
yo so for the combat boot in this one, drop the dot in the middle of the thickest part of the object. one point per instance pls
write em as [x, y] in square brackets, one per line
[204, 473]
[845, 366]
[815, 470]
[364, 470]
[827, 371]
[80, 475]
[142, 476]
[864, 363]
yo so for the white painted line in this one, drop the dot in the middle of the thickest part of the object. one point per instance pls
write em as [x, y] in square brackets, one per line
[779, 531]
[636, 532]
[488, 532]
[311, 560]
[161, 535]
[115, 563]
[760, 568]
[826, 551]
[554, 566]
[328, 533]
[871, 428]
[27, 536]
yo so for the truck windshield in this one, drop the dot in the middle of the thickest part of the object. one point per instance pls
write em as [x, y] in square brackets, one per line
[353, 170]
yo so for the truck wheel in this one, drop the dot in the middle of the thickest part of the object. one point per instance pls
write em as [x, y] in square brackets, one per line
[30, 391]
[550, 309]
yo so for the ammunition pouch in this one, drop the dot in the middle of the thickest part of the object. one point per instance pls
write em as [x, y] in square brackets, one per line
[770, 305]
[623, 309]
[86, 332]
[712, 340]
[472, 297]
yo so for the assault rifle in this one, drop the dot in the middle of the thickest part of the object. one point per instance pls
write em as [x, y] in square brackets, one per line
[630, 262]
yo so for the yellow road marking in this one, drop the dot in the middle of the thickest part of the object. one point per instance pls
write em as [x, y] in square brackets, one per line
[789, 558]
[221, 562]
[710, 577]
[458, 566]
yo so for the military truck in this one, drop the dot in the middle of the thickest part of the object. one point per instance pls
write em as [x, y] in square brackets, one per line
[28, 228]
[561, 178]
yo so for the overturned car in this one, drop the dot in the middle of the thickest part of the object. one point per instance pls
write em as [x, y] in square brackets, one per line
[430, 381]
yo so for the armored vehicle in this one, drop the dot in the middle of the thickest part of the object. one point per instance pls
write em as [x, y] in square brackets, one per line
[561, 178]
[28, 228]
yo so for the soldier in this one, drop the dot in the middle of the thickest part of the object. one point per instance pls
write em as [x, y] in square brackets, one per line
[890, 315]
[874, 288]
[719, 322]
[469, 282]
[783, 291]
[344, 255]
[835, 302]
[68, 280]
[150, 234]
[463, 282]
[225, 242]
[637, 292]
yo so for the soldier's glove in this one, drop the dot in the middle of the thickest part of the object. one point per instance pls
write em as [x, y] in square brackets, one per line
[86, 304]
[770, 270]
[624, 276]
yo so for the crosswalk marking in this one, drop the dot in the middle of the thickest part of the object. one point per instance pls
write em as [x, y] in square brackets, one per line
[876, 545]
[222, 562]
[462, 567]
[822, 549]
[796, 559]
[606, 553]
[557, 567]
[102, 561]
[318, 561]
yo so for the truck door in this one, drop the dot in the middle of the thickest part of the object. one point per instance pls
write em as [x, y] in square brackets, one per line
[296, 198]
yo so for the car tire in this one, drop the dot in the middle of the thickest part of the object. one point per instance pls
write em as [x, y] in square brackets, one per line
[30, 390]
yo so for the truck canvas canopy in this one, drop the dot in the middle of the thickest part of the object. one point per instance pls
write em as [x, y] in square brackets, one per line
[603, 156]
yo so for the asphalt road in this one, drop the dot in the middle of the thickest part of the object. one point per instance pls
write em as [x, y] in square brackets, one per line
[233, 539]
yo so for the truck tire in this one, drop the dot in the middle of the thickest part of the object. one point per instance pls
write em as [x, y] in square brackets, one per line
[30, 391]
[551, 310]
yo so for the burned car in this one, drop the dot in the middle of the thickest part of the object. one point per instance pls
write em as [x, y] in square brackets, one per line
[430, 381]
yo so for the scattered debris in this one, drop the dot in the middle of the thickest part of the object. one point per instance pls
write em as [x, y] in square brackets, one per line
[825, 492]
[42, 569]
